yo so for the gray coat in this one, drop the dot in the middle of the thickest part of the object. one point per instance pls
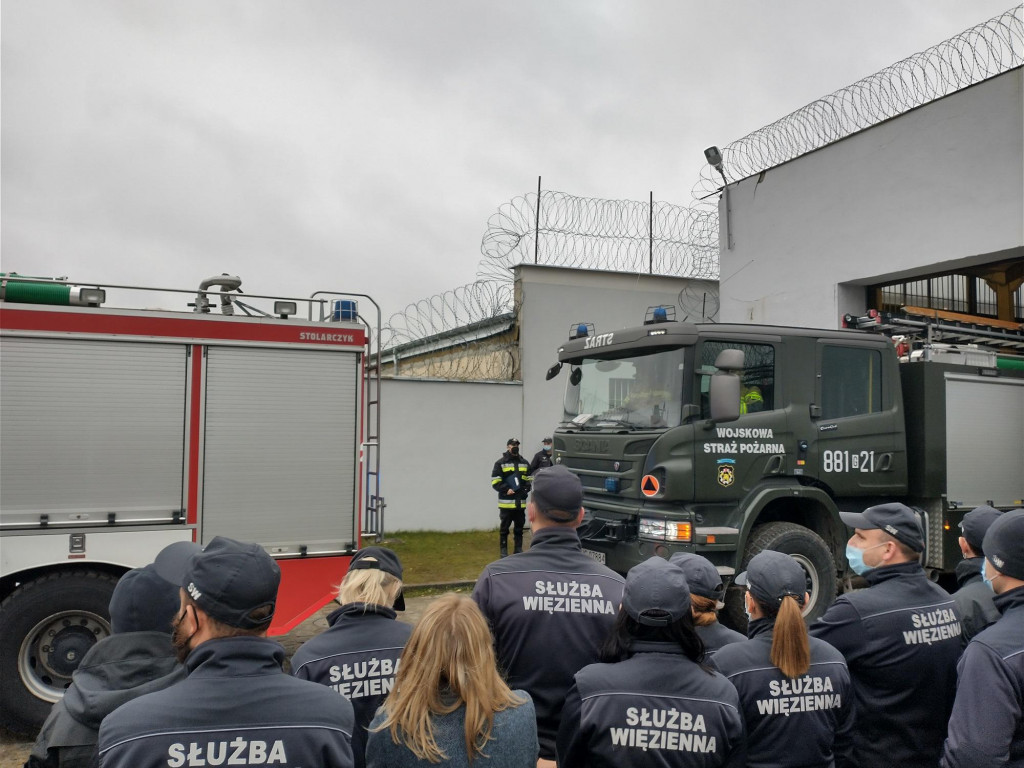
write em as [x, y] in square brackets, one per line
[117, 669]
[974, 599]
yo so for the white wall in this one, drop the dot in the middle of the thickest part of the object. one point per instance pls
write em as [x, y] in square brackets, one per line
[439, 441]
[553, 298]
[934, 189]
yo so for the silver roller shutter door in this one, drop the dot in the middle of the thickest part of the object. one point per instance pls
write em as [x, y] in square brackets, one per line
[280, 447]
[984, 440]
[90, 428]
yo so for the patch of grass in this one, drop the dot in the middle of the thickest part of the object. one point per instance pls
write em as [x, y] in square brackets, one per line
[431, 557]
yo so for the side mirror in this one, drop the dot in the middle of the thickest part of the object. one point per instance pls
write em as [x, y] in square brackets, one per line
[576, 376]
[729, 360]
[553, 371]
[725, 395]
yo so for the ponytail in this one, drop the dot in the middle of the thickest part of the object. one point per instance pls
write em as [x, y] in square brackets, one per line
[791, 651]
[705, 610]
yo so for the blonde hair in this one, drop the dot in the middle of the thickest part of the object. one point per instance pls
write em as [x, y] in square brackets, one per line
[369, 585]
[705, 610]
[449, 656]
[791, 650]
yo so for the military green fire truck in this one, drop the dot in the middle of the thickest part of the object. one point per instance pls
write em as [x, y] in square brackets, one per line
[727, 439]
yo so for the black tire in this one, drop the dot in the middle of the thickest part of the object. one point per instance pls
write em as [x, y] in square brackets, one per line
[46, 627]
[808, 549]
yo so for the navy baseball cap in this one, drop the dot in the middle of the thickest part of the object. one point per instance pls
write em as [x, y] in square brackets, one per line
[898, 520]
[228, 579]
[656, 593]
[1004, 544]
[143, 601]
[976, 523]
[381, 559]
[703, 578]
[556, 489]
[771, 576]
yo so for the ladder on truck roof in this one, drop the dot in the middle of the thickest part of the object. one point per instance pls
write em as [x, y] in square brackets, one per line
[933, 325]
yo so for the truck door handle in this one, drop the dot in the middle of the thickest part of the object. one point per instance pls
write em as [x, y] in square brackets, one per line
[774, 465]
[884, 463]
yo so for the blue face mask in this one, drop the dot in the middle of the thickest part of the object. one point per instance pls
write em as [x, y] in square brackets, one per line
[547, 448]
[984, 575]
[856, 558]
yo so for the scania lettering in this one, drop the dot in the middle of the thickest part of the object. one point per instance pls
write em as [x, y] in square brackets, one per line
[125, 430]
[727, 439]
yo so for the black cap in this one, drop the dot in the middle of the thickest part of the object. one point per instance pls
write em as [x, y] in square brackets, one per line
[513, 441]
[546, 440]
[656, 593]
[381, 559]
[1004, 544]
[898, 520]
[557, 490]
[227, 579]
[976, 523]
[771, 576]
[143, 601]
[701, 575]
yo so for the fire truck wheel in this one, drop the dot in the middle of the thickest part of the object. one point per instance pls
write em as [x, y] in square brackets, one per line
[808, 549]
[46, 626]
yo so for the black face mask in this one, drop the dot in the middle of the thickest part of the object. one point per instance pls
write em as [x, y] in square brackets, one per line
[178, 641]
[514, 450]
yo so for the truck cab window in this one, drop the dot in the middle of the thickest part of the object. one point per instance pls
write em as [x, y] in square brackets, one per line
[636, 392]
[851, 381]
[757, 381]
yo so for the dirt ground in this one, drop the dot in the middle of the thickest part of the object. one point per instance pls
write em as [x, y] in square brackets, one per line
[14, 749]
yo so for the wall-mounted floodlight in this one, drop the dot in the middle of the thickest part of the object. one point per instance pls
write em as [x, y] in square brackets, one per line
[284, 309]
[714, 157]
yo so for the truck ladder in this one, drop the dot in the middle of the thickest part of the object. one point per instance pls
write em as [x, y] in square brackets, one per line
[373, 512]
[946, 327]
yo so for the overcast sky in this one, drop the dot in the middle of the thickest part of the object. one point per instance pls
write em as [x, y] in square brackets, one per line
[363, 145]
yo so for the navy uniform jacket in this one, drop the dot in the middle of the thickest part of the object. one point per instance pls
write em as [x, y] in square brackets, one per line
[550, 610]
[973, 599]
[901, 641]
[715, 636]
[803, 721]
[987, 726]
[656, 709]
[236, 707]
[357, 657]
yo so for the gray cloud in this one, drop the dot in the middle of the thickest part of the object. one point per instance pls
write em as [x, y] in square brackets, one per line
[364, 145]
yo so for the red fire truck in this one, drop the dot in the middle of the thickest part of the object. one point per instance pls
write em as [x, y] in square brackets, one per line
[124, 430]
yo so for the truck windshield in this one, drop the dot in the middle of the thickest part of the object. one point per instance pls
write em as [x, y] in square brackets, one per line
[641, 391]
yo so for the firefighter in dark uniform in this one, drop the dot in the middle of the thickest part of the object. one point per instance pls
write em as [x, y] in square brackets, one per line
[541, 458]
[652, 703]
[900, 638]
[706, 593]
[974, 598]
[551, 607]
[987, 725]
[236, 706]
[795, 690]
[358, 655]
[510, 478]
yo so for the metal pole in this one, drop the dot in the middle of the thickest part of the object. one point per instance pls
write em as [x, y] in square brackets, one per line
[536, 227]
[650, 238]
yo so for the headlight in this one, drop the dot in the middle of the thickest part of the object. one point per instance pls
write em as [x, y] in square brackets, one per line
[665, 530]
